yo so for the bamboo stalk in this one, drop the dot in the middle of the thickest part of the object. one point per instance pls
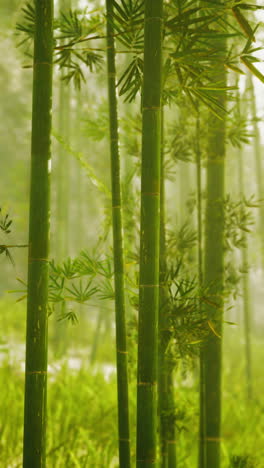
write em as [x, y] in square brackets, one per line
[214, 276]
[121, 347]
[258, 161]
[202, 452]
[63, 162]
[244, 250]
[149, 237]
[246, 297]
[163, 326]
[37, 315]
[246, 292]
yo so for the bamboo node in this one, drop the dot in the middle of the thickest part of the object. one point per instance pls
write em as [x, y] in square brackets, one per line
[123, 440]
[171, 442]
[116, 207]
[111, 75]
[122, 352]
[36, 372]
[31, 259]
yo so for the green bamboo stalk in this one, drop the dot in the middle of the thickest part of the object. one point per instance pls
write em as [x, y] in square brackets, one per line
[79, 178]
[62, 171]
[167, 427]
[244, 252]
[121, 347]
[63, 163]
[246, 292]
[149, 237]
[214, 277]
[202, 452]
[163, 326]
[37, 314]
[171, 434]
[258, 162]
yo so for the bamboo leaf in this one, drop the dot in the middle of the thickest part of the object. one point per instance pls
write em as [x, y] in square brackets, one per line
[252, 68]
[213, 329]
[87, 167]
[243, 23]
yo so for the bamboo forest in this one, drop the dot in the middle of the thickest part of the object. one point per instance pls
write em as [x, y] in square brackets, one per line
[132, 234]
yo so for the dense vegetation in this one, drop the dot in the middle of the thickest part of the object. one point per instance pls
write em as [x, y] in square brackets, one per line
[137, 287]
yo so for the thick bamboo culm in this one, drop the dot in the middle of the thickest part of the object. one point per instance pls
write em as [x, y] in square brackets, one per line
[121, 347]
[149, 237]
[37, 313]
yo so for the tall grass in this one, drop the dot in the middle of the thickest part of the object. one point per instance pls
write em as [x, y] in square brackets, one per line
[82, 409]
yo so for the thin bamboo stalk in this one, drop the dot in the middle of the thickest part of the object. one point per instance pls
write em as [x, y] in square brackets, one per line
[258, 162]
[202, 452]
[63, 163]
[163, 326]
[149, 237]
[37, 313]
[214, 277]
[247, 306]
[121, 347]
[246, 292]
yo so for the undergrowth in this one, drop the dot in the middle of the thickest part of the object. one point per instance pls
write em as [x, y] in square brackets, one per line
[82, 412]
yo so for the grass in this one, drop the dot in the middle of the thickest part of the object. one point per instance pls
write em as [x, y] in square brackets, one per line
[82, 414]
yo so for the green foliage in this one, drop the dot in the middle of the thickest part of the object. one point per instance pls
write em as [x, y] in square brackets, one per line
[238, 221]
[26, 28]
[79, 280]
[181, 243]
[242, 461]
[71, 29]
[75, 27]
[237, 131]
[192, 45]
[128, 21]
[80, 157]
[186, 320]
[5, 223]
[73, 439]
[95, 124]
